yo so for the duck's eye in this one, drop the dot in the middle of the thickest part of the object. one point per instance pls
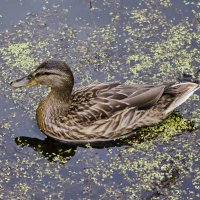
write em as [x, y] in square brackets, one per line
[30, 76]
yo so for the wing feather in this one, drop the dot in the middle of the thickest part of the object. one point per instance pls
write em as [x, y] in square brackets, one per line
[101, 101]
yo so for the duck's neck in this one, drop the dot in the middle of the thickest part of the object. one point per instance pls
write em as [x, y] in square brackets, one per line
[57, 102]
[61, 96]
[54, 106]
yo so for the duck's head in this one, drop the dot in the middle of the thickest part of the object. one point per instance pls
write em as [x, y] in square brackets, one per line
[55, 74]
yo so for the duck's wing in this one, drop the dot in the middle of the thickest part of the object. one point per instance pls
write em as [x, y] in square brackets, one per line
[101, 101]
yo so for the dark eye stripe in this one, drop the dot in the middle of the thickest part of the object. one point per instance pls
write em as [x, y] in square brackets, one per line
[46, 74]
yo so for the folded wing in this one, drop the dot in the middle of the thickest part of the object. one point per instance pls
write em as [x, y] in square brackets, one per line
[104, 100]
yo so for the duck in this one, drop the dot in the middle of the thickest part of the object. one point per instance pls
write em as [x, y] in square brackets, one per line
[99, 112]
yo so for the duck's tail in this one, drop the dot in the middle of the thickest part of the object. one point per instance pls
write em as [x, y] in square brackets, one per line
[181, 92]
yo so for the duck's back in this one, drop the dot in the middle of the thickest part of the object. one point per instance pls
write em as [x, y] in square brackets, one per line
[102, 101]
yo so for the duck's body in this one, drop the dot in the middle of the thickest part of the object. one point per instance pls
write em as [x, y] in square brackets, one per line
[102, 111]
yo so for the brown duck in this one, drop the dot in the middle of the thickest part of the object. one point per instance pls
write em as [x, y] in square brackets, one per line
[99, 112]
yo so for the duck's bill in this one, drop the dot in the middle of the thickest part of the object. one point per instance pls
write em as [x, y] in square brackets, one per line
[23, 82]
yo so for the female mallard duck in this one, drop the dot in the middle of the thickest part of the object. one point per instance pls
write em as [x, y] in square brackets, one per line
[99, 112]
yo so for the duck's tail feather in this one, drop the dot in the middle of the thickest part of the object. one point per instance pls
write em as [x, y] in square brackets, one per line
[181, 92]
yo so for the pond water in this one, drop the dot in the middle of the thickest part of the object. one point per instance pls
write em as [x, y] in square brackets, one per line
[144, 41]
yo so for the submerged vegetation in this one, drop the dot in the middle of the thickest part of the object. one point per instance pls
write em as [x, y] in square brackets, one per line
[140, 41]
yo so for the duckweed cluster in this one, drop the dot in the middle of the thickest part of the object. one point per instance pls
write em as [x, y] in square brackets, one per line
[21, 53]
[139, 41]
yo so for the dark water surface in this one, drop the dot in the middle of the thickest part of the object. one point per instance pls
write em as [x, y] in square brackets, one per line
[144, 41]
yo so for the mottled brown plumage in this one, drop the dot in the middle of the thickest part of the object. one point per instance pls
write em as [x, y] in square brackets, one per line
[99, 112]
